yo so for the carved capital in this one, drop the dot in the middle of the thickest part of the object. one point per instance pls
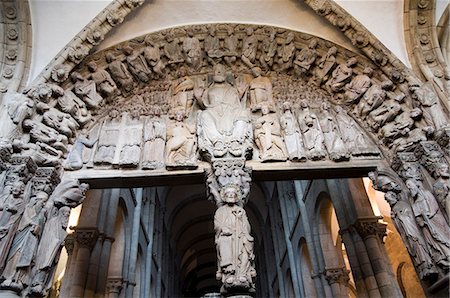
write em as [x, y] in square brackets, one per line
[337, 275]
[86, 237]
[114, 285]
[69, 243]
[370, 227]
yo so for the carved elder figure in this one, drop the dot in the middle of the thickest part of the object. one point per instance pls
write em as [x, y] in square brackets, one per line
[172, 50]
[137, 64]
[212, 46]
[224, 125]
[153, 57]
[234, 243]
[119, 72]
[86, 90]
[305, 59]
[286, 53]
[192, 50]
[292, 134]
[269, 50]
[182, 93]
[230, 44]
[358, 86]
[326, 65]
[103, 81]
[249, 48]
[341, 75]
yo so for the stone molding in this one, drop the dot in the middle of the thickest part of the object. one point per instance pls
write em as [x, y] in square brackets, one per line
[15, 49]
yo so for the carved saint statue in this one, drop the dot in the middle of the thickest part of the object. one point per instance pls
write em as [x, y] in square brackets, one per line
[326, 65]
[441, 188]
[72, 105]
[173, 50]
[341, 75]
[49, 249]
[153, 57]
[86, 90]
[269, 50]
[268, 136]
[260, 91]
[182, 92]
[224, 126]
[332, 138]
[24, 246]
[286, 53]
[313, 136]
[181, 144]
[234, 244]
[154, 141]
[372, 99]
[230, 44]
[292, 134]
[431, 221]
[383, 114]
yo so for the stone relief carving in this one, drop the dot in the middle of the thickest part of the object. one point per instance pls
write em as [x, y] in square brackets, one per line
[312, 133]
[268, 136]
[154, 141]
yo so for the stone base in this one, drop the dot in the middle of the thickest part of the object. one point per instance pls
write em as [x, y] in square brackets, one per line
[8, 294]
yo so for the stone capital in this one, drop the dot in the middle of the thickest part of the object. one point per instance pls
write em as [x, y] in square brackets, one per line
[370, 227]
[69, 243]
[337, 275]
[114, 285]
[86, 237]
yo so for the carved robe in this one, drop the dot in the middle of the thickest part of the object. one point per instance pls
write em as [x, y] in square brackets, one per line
[292, 136]
[154, 141]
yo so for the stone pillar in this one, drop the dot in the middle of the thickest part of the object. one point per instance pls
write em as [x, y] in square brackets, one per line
[113, 287]
[85, 239]
[338, 279]
[69, 244]
[371, 231]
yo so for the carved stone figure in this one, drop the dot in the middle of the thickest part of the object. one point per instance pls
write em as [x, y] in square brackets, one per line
[69, 192]
[44, 134]
[103, 81]
[10, 214]
[286, 53]
[24, 246]
[72, 105]
[411, 140]
[431, 221]
[292, 134]
[131, 150]
[441, 188]
[86, 90]
[353, 136]
[406, 225]
[372, 99]
[212, 46]
[429, 102]
[383, 114]
[154, 142]
[20, 107]
[305, 59]
[60, 121]
[234, 244]
[109, 135]
[153, 57]
[358, 86]
[269, 50]
[192, 50]
[398, 128]
[224, 126]
[137, 64]
[42, 154]
[49, 249]
[341, 75]
[326, 65]
[182, 93]
[172, 50]
[74, 159]
[332, 139]
[268, 136]
[313, 136]
[119, 72]
[181, 143]
[230, 44]
[249, 48]
[260, 92]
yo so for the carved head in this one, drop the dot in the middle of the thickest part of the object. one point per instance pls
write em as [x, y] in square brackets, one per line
[180, 114]
[287, 106]
[265, 109]
[332, 51]
[64, 213]
[76, 76]
[290, 37]
[127, 50]
[114, 113]
[219, 73]
[212, 30]
[325, 106]
[230, 30]
[17, 188]
[109, 57]
[256, 71]
[249, 31]
[442, 170]
[313, 43]
[231, 194]
[92, 66]
[351, 62]
[412, 186]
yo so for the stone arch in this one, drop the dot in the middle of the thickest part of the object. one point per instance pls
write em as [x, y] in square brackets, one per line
[410, 127]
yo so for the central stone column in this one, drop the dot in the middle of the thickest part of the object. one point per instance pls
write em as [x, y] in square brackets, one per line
[225, 139]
